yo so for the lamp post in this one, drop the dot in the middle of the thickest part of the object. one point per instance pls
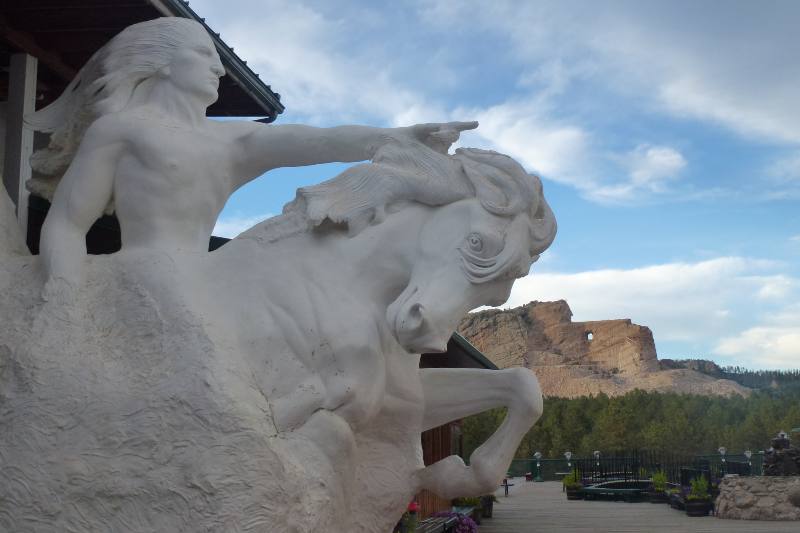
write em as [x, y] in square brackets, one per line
[568, 455]
[749, 454]
[538, 457]
[597, 457]
[722, 451]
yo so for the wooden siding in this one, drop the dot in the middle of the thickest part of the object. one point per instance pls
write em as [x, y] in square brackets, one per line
[438, 443]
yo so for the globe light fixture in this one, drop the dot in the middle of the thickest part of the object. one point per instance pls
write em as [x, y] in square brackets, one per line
[568, 455]
[538, 457]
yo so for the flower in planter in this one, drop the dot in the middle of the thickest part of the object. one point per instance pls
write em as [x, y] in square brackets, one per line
[465, 524]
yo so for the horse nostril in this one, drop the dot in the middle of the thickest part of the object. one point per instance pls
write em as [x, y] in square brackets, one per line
[415, 316]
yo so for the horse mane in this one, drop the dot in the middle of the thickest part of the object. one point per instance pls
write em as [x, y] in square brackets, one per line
[412, 172]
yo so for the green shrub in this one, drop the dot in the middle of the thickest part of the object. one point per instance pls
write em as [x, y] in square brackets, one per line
[572, 480]
[699, 489]
[467, 502]
[660, 481]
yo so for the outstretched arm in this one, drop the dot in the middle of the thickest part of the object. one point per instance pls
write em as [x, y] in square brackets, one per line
[79, 200]
[263, 147]
[451, 394]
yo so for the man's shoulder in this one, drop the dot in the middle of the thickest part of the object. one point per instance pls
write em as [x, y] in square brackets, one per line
[108, 129]
[233, 128]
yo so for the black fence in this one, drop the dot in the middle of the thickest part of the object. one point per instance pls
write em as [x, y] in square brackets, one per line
[638, 465]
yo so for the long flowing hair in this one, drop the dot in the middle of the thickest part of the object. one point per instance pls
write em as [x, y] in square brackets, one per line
[105, 84]
[411, 172]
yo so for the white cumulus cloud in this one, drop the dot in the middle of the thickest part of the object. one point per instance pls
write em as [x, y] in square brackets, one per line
[764, 346]
[231, 226]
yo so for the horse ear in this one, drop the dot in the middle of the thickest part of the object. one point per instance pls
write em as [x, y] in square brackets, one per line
[494, 190]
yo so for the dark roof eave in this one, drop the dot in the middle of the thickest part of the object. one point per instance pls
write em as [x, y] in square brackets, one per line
[236, 68]
[473, 352]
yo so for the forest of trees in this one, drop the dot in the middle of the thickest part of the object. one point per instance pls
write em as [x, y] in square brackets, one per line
[761, 379]
[678, 423]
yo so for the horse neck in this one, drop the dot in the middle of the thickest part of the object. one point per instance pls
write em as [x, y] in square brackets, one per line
[379, 260]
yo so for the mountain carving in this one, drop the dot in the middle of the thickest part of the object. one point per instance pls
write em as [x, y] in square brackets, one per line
[580, 358]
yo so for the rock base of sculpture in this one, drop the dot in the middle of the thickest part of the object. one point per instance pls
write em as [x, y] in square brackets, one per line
[759, 498]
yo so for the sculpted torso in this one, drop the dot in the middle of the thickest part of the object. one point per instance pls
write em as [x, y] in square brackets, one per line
[171, 182]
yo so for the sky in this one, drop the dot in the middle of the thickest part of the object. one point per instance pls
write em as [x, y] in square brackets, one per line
[667, 136]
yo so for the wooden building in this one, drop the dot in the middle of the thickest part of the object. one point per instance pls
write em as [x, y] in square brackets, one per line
[43, 44]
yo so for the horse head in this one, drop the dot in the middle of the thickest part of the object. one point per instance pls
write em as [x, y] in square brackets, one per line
[471, 251]
[486, 221]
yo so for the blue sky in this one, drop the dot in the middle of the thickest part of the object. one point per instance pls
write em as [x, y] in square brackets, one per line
[667, 135]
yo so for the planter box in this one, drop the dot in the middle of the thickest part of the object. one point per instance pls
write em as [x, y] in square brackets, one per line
[487, 506]
[658, 497]
[575, 494]
[698, 507]
[676, 502]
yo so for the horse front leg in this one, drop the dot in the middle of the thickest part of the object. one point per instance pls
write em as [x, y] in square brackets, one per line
[453, 393]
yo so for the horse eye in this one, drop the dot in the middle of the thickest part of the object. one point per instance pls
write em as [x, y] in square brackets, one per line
[475, 242]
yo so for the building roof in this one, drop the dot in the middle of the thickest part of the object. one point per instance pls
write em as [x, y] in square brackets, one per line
[460, 354]
[63, 34]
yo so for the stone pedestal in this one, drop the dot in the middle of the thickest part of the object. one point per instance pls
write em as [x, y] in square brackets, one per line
[759, 498]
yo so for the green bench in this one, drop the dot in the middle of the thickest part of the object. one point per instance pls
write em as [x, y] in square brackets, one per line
[436, 525]
[629, 495]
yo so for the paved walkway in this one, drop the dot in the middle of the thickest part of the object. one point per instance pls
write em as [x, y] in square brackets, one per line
[543, 508]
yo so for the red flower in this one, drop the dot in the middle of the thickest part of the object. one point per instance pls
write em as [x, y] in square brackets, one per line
[413, 507]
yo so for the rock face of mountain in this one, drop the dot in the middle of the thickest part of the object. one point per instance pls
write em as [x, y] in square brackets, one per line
[581, 358]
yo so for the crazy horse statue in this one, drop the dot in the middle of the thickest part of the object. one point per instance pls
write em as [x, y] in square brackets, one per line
[274, 384]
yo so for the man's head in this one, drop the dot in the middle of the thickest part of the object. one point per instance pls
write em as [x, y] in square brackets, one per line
[176, 48]
[195, 67]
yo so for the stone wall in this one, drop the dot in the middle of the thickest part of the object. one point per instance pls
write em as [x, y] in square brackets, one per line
[759, 498]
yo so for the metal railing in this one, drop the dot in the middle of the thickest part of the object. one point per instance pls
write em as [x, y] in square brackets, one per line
[637, 465]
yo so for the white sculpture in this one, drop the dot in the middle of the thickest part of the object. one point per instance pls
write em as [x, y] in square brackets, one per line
[132, 127]
[272, 385]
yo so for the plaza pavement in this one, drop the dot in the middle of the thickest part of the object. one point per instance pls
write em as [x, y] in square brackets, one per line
[543, 508]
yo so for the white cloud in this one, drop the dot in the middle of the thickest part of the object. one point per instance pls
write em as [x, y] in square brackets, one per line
[734, 66]
[764, 346]
[649, 169]
[786, 170]
[423, 61]
[231, 226]
[650, 166]
[314, 59]
[542, 144]
[692, 303]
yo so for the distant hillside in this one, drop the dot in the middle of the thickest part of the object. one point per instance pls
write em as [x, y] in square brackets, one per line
[753, 379]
